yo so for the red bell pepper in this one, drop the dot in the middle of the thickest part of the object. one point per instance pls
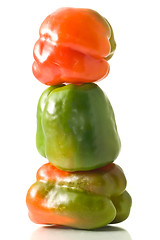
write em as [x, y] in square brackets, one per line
[73, 47]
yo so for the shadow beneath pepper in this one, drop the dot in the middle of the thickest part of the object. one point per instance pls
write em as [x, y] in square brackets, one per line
[109, 229]
[101, 229]
[55, 232]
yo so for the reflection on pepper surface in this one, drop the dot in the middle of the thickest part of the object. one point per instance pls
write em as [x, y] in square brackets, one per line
[64, 233]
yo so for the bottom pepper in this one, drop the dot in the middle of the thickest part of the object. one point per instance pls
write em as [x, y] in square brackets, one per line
[84, 200]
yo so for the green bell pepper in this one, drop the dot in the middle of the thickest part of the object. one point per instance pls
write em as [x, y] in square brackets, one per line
[76, 128]
[84, 200]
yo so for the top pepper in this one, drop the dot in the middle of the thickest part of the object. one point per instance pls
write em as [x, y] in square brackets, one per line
[73, 47]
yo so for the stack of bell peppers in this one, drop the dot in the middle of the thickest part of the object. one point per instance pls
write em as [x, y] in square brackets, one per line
[80, 187]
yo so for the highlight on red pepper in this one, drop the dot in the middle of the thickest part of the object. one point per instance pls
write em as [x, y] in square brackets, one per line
[74, 47]
[84, 200]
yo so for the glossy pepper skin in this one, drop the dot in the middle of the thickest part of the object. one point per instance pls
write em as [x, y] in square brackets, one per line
[76, 128]
[73, 47]
[40, 141]
[85, 200]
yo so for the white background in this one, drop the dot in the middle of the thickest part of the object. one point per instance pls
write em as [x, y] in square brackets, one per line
[132, 87]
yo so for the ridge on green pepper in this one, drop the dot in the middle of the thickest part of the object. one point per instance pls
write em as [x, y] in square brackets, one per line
[76, 128]
[40, 141]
